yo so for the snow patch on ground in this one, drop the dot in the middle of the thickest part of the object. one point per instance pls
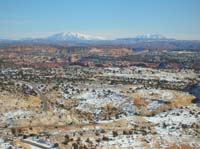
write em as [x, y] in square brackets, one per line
[122, 141]
[12, 116]
[6, 145]
[154, 105]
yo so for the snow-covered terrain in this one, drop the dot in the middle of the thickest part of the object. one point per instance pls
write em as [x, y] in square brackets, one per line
[148, 74]
[94, 100]
[173, 122]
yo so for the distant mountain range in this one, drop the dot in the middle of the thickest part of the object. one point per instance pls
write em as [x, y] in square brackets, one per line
[140, 42]
[78, 37]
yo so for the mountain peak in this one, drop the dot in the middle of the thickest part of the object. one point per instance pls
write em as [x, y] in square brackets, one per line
[71, 36]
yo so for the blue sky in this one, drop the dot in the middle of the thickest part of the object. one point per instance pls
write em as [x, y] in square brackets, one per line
[109, 18]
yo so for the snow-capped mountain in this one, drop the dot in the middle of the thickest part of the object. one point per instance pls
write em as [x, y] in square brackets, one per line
[70, 36]
[151, 36]
[148, 38]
